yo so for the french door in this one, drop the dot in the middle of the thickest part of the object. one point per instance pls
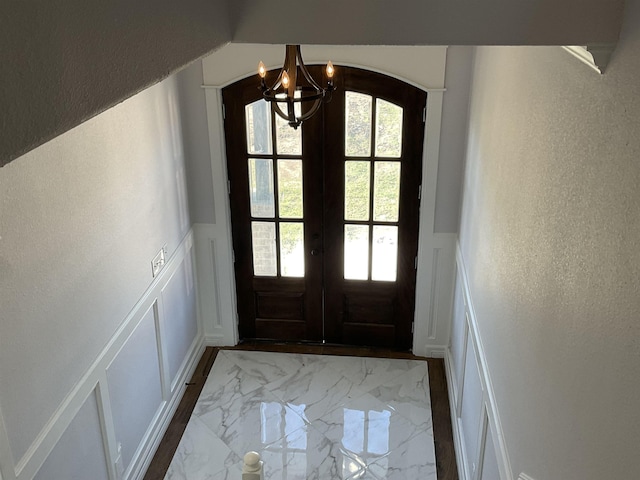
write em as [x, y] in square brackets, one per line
[325, 217]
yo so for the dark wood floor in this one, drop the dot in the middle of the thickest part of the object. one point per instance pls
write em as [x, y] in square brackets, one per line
[443, 436]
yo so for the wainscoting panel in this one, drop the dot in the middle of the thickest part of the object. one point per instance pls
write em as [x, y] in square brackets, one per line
[490, 470]
[434, 294]
[459, 334]
[216, 284]
[135, 374]
[111, 422]
[80, 452]
[481, 452]
[469, 421]
[179, 325]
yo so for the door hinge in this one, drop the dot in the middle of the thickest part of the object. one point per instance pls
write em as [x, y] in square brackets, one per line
[415, 263]
[419, 192]
[228, 187]
[224, 112]
[413, 324]
[233, 256]
[424, 115]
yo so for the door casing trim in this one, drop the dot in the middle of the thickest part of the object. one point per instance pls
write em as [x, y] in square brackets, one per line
[434, 288]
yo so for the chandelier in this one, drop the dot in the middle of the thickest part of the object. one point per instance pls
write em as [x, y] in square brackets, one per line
[300, 97]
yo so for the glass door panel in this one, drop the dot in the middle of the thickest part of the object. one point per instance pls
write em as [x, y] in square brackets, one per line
[357, 176]
[386, 191]
[357, 119]
[290, 198]
[356, 252]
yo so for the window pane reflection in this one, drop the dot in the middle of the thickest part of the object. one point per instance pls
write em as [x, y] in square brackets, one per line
[292, 249]
[379, 423]
[258, 123]
[261, 188]
[286, 454]
[366, 435]
[357, 124]
[263, 236]
[388, 129]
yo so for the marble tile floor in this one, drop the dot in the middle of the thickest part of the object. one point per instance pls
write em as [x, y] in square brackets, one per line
[310, 417]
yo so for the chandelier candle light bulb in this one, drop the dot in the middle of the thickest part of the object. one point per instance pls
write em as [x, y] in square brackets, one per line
[296, 89]
[330, 71]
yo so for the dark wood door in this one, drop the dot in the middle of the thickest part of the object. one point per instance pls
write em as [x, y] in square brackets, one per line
[275, 178]
[325, 218]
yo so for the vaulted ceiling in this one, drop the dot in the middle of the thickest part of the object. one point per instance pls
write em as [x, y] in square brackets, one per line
[65, 62]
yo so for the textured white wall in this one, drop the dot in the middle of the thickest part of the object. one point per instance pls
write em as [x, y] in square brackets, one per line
[550, 234]
[453, 134]
[193, 111]
[65, 63]
[81, 217]
[427, 22]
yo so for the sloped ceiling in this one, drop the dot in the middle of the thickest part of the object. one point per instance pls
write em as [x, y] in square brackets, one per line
[65, 62]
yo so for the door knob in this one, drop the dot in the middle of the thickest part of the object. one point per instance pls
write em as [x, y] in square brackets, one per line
[315, 252]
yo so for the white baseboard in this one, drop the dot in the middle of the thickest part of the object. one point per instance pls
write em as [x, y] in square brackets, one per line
[435, 351]
[216, 341]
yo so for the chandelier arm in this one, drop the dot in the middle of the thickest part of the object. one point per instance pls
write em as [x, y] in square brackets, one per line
[305, 72]
[312, 110]
[270, 96]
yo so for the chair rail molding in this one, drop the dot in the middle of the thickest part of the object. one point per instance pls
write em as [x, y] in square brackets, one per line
[96, 382]
[524, 476]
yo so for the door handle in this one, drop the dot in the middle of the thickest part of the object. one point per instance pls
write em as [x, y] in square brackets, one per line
[315, 252]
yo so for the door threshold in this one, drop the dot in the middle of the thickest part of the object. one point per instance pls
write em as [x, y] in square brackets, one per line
[320, 348]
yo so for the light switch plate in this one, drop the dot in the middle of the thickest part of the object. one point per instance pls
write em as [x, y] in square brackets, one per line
[158, 262]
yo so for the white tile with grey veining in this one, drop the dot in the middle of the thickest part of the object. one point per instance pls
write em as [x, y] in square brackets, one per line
[201, 455]
[368, 373]
[306, 454]
[408, 394]
[316, 388]
[249, 422]
[364, 475]
[366, 429]
[414, 459]
[311, 418]
[265, 366]
[225, 378]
